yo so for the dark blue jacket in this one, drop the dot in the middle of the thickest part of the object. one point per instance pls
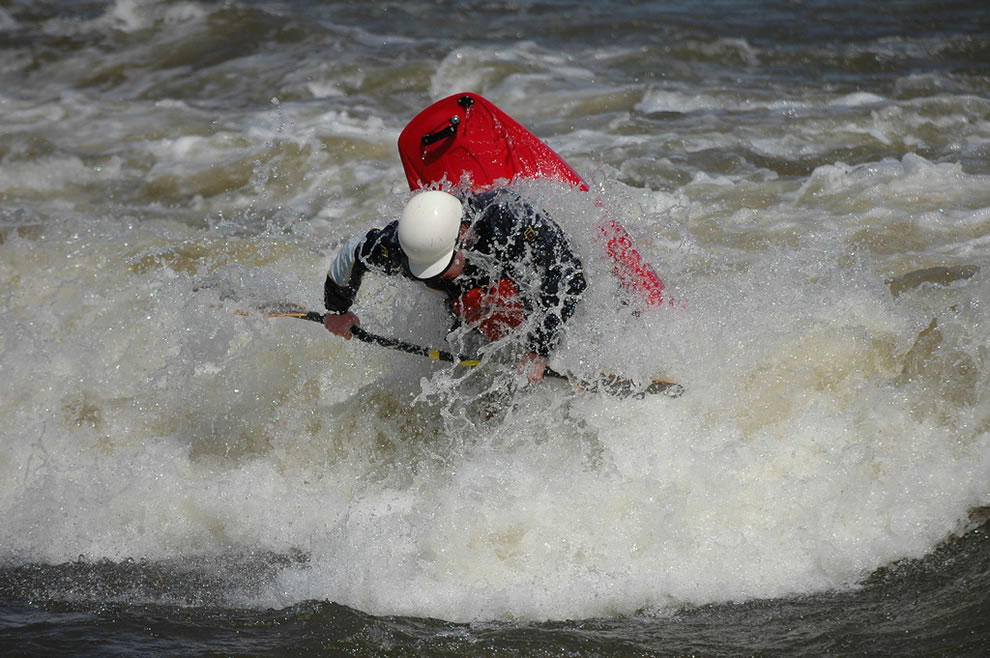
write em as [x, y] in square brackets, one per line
[506, 239]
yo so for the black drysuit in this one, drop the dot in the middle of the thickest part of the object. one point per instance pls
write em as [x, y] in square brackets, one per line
[506, 240]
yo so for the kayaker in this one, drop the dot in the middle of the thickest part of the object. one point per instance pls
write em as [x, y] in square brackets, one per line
[500, 262]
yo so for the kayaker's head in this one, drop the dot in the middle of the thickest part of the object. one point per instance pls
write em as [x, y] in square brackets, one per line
[428, 232]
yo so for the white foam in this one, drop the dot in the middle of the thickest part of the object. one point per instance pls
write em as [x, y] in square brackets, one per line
[821, 435]
[163, 427]
[859, 98]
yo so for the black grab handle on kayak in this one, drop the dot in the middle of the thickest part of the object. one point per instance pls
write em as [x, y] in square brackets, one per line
[449, 131]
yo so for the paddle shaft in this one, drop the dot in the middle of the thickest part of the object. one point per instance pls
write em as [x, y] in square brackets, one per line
[609, 384]
[410, 348]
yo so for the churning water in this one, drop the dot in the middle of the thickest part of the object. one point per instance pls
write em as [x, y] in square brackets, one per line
[811, 180]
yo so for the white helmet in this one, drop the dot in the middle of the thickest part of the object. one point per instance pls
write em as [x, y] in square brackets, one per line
[428, 232]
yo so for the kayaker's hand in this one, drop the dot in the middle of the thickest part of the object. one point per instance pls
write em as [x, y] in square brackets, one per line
[340, 325]
[532, 366]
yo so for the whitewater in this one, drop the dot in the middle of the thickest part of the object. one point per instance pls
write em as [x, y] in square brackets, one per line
[819, 213]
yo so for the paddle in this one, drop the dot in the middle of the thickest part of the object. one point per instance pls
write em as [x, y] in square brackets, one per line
[609, 384]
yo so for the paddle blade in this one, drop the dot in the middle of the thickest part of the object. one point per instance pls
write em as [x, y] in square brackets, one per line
[665, 386]
[620, 387]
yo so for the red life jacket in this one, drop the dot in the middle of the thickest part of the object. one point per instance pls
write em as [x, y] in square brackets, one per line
[494, 312]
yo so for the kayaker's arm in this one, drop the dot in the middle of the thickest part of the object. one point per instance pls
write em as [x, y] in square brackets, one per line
[378, 249]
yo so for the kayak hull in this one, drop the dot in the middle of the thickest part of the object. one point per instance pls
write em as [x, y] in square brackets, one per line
[465, 139]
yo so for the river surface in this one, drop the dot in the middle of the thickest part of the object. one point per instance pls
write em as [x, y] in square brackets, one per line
[180, 475]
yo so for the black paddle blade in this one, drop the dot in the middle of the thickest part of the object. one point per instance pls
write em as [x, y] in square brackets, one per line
[665, 386]
[620, 387]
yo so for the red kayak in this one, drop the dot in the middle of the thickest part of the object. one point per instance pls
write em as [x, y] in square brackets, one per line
[465, 138]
